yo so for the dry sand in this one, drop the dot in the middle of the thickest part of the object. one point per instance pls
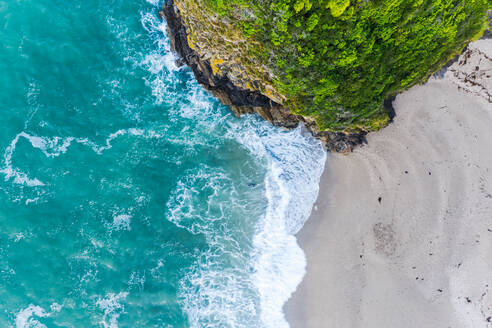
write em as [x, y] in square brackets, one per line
[401, 235]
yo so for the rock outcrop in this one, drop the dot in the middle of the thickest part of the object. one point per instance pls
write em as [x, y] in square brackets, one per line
[473, 71]
[240, 99]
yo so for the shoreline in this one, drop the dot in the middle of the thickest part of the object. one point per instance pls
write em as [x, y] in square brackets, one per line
[401, 233]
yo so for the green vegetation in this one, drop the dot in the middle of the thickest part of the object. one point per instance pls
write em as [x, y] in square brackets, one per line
[337, 60]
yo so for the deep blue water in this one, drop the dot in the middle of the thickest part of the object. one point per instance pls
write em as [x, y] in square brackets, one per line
[129, 197]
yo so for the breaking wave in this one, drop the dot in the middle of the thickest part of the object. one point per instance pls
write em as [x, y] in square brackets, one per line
[264, 274]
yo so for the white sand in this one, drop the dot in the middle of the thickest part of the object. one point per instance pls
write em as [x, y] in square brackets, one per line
[422, 257]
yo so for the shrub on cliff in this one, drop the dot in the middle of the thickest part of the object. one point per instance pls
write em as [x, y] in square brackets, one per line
[337, 60]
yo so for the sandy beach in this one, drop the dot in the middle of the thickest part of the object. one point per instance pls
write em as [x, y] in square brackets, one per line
[401, 234]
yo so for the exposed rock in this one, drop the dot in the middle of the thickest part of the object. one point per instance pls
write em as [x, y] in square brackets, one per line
[473, 71]
[230, 91]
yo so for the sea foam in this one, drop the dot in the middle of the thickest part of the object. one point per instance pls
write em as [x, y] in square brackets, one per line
[295, 165]
[29, 317]
[56, 146]
[253, 292]
[112, 307]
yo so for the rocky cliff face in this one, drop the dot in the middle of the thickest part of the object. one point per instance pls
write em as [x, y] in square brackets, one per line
[234, 86]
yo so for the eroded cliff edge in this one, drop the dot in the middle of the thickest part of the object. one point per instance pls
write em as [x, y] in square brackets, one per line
[234, 51]
[242, 100]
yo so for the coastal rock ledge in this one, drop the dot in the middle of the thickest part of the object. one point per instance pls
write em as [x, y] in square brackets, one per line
[242, 100]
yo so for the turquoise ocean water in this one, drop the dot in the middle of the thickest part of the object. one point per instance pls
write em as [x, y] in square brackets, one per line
[129, 197]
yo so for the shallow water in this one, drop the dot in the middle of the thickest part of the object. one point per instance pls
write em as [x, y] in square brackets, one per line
[129, 197]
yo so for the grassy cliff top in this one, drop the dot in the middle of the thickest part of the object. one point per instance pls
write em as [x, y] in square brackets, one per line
[337, 60]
